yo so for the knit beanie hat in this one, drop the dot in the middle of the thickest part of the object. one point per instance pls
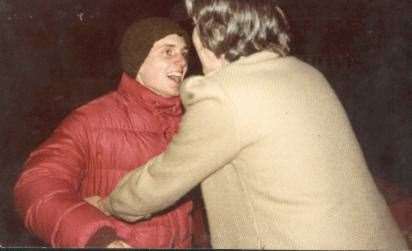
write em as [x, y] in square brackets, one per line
[140, 37]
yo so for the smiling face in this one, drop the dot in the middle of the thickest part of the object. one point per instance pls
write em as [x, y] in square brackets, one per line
[165, 67]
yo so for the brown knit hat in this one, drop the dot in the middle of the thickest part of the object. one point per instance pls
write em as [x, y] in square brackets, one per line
[140, 37]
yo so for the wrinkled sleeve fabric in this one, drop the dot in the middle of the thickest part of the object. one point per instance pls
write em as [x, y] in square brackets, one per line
[206, 141]
[47, 192]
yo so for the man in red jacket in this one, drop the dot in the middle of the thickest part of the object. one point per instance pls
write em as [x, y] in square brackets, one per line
[101, 141]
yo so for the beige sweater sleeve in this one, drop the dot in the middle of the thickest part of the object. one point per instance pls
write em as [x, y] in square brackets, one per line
[206, 141]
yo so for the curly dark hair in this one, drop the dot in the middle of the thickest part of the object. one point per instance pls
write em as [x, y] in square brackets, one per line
[236, 28]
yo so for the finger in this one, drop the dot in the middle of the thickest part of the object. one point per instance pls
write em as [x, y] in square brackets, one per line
[118, 244]
[102, 208]
[92, 200]
[115, 244]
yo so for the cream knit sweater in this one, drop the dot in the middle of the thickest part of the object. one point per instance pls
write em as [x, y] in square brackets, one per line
[278, 161]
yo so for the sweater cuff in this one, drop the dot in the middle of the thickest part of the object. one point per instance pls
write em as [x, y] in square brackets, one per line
[103, 237]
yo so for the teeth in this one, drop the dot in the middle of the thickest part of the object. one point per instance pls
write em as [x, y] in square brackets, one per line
[175, 76]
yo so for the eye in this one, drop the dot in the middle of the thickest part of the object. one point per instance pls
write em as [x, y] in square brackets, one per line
[168, 52]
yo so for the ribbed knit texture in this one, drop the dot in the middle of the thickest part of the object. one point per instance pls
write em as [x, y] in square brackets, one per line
[279, 163]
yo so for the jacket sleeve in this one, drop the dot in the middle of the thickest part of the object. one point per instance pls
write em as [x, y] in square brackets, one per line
[206, 141]
[47, 192]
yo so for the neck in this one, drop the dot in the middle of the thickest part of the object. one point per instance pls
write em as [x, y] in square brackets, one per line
[218, 64]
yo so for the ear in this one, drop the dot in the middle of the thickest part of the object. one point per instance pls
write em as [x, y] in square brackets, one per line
[223, 59]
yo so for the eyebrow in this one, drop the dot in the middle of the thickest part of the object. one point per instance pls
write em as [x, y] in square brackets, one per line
[172, 46]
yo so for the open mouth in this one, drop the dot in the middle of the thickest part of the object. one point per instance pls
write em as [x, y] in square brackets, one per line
[176, 77]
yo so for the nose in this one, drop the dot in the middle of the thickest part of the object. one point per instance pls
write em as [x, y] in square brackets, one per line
[180, 60]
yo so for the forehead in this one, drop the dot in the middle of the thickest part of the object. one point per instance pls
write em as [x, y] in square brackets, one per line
[172, 40]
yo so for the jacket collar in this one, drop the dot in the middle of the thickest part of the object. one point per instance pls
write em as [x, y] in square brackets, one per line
[136, 92]
[251, 59]
[258, 57]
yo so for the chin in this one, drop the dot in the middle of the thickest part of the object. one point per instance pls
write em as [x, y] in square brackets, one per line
[174, 92]
[171, 95]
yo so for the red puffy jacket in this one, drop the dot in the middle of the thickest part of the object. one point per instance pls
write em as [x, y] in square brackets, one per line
[92, 149]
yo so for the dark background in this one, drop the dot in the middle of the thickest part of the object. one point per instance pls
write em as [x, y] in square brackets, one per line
[58, 54]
